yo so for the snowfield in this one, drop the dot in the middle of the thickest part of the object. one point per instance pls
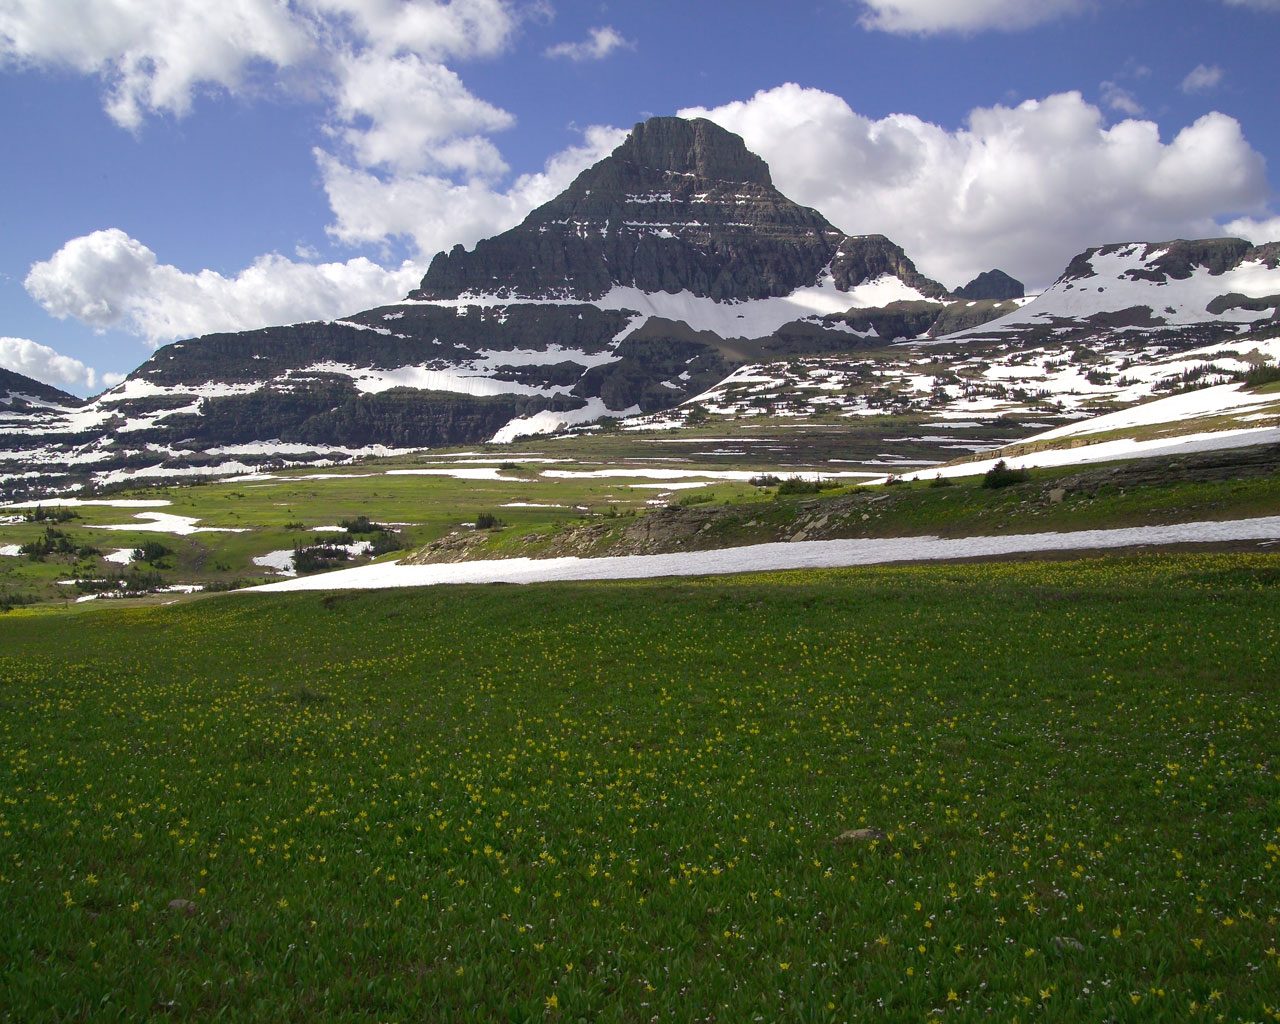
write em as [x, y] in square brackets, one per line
[1222, 400]
[1179, 302]
[816, 554]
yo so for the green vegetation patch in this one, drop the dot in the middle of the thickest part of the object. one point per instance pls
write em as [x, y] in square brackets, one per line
[1044, 791]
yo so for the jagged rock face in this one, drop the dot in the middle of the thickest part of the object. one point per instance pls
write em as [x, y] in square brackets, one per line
[992, 284]
[680, 206]
[862, 258]
[691, 147]
[37, 425]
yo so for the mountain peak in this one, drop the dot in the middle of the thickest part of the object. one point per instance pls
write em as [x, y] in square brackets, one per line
[681, 205]
[992, 284]
[698, 147]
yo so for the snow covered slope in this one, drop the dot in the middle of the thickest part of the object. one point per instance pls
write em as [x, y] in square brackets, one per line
[1206, 419]
[1189, 291]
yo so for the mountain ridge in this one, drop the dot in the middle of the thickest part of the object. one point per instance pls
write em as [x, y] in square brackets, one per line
[646, 283]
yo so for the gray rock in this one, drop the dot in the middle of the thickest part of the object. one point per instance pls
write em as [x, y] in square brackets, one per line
[861, 835]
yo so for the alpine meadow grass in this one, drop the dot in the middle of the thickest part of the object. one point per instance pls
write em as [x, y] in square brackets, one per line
[1015, 792]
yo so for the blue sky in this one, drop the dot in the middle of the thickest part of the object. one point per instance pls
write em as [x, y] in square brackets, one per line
[229, 166]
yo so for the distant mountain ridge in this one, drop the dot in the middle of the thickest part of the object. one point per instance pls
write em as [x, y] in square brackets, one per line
[656, 274]
[1182, 293]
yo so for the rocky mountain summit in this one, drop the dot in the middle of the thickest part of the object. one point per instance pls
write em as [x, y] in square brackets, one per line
[993, 284]
[681, 206]
[658, 273]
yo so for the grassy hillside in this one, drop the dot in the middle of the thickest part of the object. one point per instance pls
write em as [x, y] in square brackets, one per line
[624, 802]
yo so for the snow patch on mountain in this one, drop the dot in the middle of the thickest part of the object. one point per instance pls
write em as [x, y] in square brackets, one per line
[1222, 400]
[549, 422]
[758, 318]
[426, 378]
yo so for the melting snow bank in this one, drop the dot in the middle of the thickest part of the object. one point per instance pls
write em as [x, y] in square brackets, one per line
[1105, 451]
[167, 522]
[813, 554]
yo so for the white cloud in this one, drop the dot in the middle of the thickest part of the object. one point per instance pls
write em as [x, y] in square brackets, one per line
[1118, 98]
[410, 114]
[1257, 5]
[1256, 231]
[600, 42]
[432, 29]
[149, 61]
[1202, 78]
[434, 212]
[923, 17]
[1023, 188]
[153, 60]
[107, 279]
[48, 366]
[91, 277]
[402, 126]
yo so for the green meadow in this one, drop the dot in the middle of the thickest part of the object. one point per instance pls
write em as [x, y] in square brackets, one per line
[626, 801]
[538, 489]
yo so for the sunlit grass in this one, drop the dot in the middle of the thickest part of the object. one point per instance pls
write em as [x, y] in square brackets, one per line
[622, 802]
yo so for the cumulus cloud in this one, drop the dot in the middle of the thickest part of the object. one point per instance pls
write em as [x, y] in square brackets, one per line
[107, 279]
[154, 64]
[435, 29]
[1202, 78]
[1023, 188]
[1256, 231]
[600, 42]
[378, 66]
[50, 367]
[410, 114]
[434, 212]
[925, 17]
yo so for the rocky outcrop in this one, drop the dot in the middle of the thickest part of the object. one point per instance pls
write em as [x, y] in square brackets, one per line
[894, 322]
[1160, 262]
[992, 284]
[862, 258]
